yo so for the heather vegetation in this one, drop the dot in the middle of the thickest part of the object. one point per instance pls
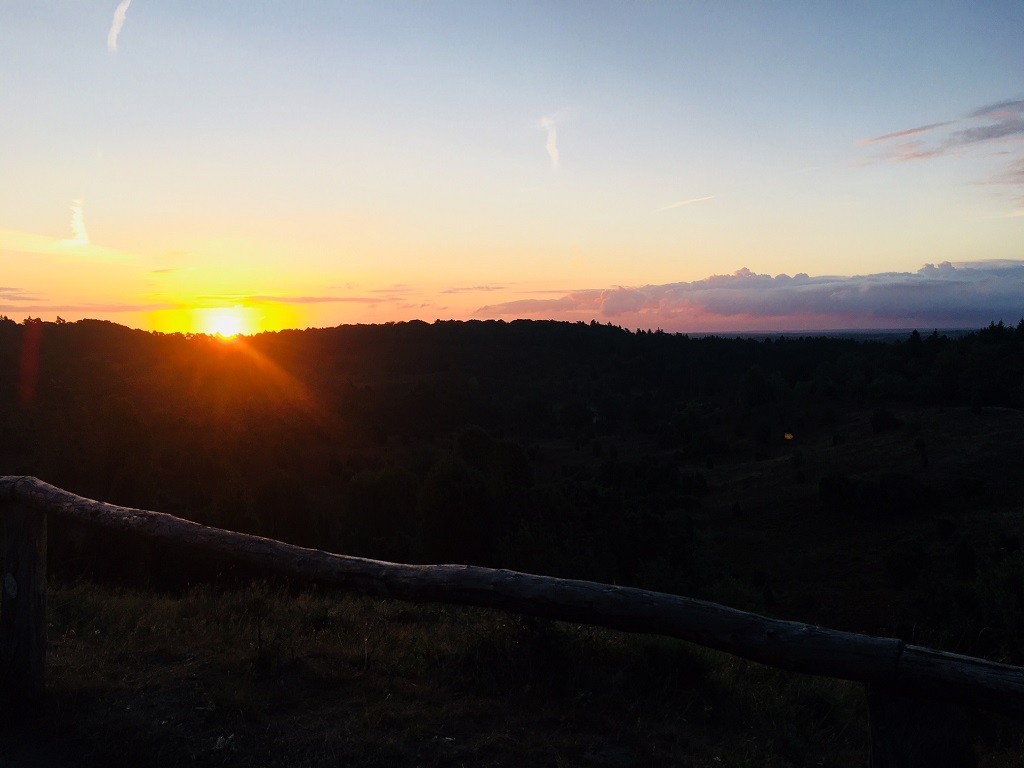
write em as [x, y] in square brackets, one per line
[870, 485]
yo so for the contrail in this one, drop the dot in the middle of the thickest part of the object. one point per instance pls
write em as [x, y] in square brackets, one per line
[81, 237]
[552, 144]
[681, 203]
[116, 24]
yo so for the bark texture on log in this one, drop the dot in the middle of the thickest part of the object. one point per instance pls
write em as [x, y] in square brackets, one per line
[786, 644]
[979, 682]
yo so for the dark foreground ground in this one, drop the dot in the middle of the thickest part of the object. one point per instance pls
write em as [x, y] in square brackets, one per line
[259, 677]
[262, 677]
[876, 488]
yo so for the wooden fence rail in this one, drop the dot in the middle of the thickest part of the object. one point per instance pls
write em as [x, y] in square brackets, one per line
[912, 690]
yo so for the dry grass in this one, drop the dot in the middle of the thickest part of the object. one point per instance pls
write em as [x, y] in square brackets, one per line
[259, 677]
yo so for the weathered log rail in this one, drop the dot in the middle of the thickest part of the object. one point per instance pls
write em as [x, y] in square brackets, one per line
[897, 674]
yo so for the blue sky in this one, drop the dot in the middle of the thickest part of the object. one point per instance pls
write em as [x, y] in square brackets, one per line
[317, 163]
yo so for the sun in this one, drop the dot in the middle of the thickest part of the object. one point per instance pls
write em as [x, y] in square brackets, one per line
[226, 322]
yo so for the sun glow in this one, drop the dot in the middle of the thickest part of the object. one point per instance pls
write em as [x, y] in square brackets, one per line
[226, 322]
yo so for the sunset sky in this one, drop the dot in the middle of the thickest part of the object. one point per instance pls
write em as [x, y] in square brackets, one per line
[249, 165]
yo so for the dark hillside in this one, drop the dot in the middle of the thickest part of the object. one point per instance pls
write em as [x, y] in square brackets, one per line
[573, 449]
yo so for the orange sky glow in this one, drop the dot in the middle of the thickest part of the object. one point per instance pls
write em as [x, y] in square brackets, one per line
[239, 168]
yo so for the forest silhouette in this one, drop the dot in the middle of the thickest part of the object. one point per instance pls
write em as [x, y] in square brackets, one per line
[800, 476]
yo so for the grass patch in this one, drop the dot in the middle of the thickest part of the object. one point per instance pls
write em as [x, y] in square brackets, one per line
[260, 677]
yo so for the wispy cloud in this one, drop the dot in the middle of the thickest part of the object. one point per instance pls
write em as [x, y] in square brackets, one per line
[551, 145]
[1011, 106]
[944, 295]
[1013, 175]
[916, 150]
[682, 203]
[550, 124]
[318, 299]
[79, 236]
[7, 293]
[274, 299]
[903, 134]
[86, 309]
[1002, 121]
[116, 23]
[475, 289]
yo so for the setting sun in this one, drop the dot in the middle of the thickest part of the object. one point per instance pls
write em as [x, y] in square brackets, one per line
[226, 322]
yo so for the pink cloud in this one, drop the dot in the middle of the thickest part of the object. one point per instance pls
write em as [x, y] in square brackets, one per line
[944, 295]
[903, 134]
[992, 123]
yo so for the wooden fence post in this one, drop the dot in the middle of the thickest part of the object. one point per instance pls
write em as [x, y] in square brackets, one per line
[23, 608]
[914, 732]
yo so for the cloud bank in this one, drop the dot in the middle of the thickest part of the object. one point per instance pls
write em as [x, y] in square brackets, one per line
[936, 296]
